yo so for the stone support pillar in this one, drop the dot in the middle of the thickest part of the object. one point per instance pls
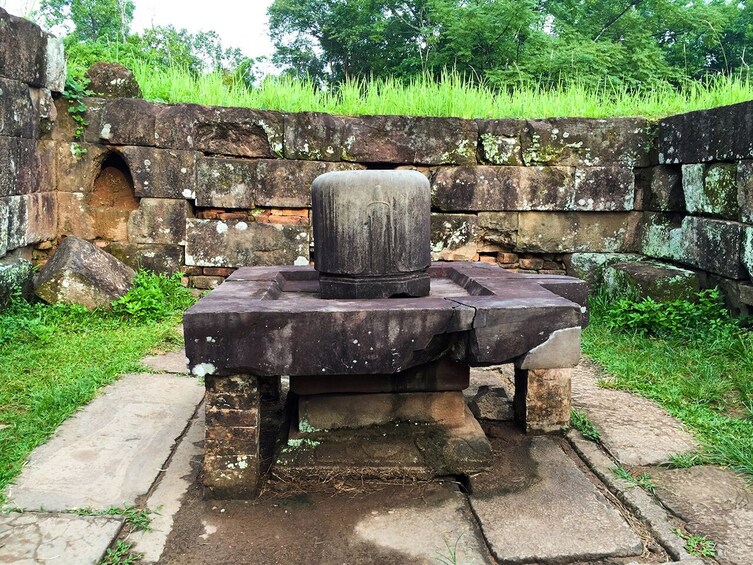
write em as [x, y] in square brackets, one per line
[542, 399]
[231, 444]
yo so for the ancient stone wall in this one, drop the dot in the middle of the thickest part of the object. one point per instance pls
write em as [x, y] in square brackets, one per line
[32, 67]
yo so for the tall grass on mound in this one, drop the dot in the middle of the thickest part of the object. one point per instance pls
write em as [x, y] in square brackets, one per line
[691, 358]
[453, 95]
[53, 359]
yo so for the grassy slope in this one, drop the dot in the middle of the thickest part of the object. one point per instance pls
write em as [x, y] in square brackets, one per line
[706, 384]
[452, 96]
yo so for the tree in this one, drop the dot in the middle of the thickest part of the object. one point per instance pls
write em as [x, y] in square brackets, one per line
[92, 20]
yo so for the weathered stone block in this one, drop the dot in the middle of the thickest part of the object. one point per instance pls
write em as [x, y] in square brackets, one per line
[659, 189]
[559, 232]
[213, 243]
[486, 188]
[560, 350]
[4, 218]
[55, 67]
[29, 167]
[500, 141]
[748, 250]
[17, 211]
[646, 279]
[491, 403]
[159, 220]
[745, 191]
[80, 273]
[112, 80]
[450, 232]
[706, 135]
[161, 173]
[714, 245]
[17, 116]
[73, 215]
[109, 224]
[604, 189]
[408, 139]
[588, 142]
[542, 399]
[163, 259]
[498, 228]
[129, 121]
[8, 165]
[41, 217]
[204, 282]
[661, 236]
[223, 131]
[47, 152]
[313, 136]
[711, 189]
[590, 266]
[338, 411]
[45, 111]
[15, 275]
[23, 48]
[77, 173]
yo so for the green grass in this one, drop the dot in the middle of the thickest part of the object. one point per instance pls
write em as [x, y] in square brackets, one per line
[54, 359]
[705, 380]
[451, 96]
[642, 480]
[699, 546]
[580, 422]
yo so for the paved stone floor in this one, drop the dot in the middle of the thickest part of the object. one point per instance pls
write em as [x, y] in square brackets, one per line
[550, 500]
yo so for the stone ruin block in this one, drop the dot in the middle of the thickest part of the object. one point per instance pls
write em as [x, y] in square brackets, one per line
[159, 220]
[45, 111]
[73, 216]
[80, 273]
[711, 189]
[77, 173]
[112, 80]
[498, 229]
[561, 232]
[161, 173]
[313, 136]
[409, 140]
[589, 142]
[714, 245]
[214, 243]
[158, 258]
[603, 189]
[543, 403]
[19, 166]
[745, 191]
[453, 235]
[659, 189]
[648, 279]
[55, 67]
[661, 236]
[245, 184]
[707, 135]
[500, 141]
[128, 121]
[222, 131]
[65, 127]
[23, 50]
[487, 188]
[41, 217]
[590, 266]
[17, 116]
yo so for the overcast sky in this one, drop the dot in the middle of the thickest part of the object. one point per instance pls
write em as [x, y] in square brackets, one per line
[240, 24]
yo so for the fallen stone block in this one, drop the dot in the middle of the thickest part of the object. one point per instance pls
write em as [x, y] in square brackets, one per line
[492, 403]
[647, 279]
[590, 266]
[80, 273]
[112, 80]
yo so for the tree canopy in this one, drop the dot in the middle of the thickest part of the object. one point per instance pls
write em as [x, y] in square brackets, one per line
[633, 43]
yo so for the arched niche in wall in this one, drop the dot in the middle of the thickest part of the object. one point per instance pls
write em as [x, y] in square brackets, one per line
[112, 199]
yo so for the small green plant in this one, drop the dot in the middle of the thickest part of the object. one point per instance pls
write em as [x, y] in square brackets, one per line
[153, 297]
[698, 546]
[121, 554]
[643, 480]
[137, 519]
[452, 553]
[76, 88]
[685, 460]
[580, 422]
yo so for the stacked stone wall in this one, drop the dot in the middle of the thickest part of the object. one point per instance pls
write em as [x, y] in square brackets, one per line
[32, 69]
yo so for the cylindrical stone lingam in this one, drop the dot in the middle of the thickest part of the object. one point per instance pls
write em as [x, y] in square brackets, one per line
[372, 233]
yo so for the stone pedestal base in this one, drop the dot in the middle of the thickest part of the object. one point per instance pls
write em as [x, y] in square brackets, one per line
[408, 285]
[542, 399]
[231, 442]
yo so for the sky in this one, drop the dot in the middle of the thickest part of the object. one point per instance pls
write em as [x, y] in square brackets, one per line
[239, 24]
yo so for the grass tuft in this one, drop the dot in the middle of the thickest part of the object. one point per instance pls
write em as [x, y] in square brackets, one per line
[580, 422]
[642, 480]
[698, 546]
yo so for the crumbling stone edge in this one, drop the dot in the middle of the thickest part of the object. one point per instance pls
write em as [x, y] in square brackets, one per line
[654, 516]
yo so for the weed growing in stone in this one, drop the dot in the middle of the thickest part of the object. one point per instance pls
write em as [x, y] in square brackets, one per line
[702, 374]
[699, 546]
[137, 519]
[685, 460]
[54, 359]
[121, 554]
[580, 422]
[642, 480]
[76, 88]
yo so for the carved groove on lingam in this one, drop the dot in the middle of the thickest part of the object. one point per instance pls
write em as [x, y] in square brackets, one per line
[378, 344]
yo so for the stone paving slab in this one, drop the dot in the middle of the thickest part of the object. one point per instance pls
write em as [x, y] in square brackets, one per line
[635, 430]
[33, 538]
[538, 506]
[110, 452]
[171, 362]
[168, 496]
[714, 502]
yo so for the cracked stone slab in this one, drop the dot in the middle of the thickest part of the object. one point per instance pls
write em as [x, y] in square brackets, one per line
[440, 525]
[174, 362]
[635, 430]
[29, 538]
[110, 452]
[538, 506]
[714, 502]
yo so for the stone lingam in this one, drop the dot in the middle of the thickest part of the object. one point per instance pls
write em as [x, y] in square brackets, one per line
[377, 342]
